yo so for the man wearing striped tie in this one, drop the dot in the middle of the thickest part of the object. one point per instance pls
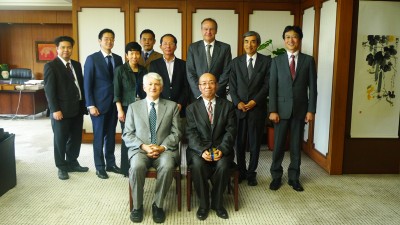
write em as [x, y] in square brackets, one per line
[152, 134]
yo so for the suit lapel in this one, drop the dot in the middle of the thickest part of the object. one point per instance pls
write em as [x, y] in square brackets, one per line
[161, 112]
[217, 112]
[300, 62]
[201, 108]
[215, 53]
[203, 54]
[144, 112]
[243, 68]
[257, 66]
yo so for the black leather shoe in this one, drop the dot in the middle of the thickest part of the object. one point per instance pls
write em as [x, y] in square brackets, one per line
[296, 185]
[137, 215]
[242, 178]
[222, 213]
[158, 214]
[102, 174]
[63, 174]
[202, 214]
[275, 184]
[79, 168]
[252, 181]
[114, 169]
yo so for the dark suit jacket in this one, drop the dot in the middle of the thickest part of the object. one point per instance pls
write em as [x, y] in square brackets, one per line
[61, 91]
[178, 89]
[202, 135]
[196, 65]
[153, 56]
[99, 88]
[243, 90]
[299, 95]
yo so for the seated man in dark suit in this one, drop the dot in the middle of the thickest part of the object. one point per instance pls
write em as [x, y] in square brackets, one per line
[152, 134]
[211, 132]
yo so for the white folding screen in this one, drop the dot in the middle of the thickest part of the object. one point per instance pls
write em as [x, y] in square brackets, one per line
[325, 75]
[307, 44]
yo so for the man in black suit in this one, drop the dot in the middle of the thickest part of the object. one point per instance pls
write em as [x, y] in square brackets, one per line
[63, 83]
[99, 95]
[292, 103]
[211, 132]
[249, 90]
[173, 72]
[209, 56]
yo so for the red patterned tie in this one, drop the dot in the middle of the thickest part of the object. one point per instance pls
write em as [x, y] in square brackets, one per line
[292, 67]
[210, 112]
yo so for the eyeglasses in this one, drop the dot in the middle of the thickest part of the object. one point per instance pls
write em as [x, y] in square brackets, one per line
[210, 83]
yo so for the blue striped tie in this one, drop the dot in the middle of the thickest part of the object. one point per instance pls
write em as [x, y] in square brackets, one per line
[153, 121]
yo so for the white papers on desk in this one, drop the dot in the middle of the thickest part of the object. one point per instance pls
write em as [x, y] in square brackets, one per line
[32, 82]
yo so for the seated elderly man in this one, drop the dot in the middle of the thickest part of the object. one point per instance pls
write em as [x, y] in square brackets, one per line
[211, 132]
[152, 135]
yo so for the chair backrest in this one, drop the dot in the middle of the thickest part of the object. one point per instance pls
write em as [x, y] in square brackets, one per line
[20, 75]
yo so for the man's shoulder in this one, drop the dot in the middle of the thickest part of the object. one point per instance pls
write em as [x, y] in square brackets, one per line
[167, 102]
[157, 53]
[222, 44]
[195, 44]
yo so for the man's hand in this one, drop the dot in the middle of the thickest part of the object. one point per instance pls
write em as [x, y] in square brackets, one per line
[309, 117]
[206, 155]
[242, 107]
[250, 105]
[94, 111]
[217, 155]
[153, 151]
[58, 115]
[274, 117]
[179, 107]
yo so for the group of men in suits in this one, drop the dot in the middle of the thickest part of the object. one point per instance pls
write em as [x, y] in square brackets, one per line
[213, 124]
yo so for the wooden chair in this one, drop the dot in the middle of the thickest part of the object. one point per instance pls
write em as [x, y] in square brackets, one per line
[152, 173]
[234, 174]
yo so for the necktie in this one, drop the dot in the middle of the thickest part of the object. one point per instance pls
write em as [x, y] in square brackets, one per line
[70, 73]
[110, 66]
[250, 68]
[209, 56]
[146, 56]
[153, 121]
[210, 112]
[292, 67]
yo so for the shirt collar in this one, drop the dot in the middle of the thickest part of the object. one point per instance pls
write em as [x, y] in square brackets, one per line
[65, 62]
[173, 60]
[105, 54]
[213, 101]
[254, 57]
[212, 43]
[155, 101]
[294, 53]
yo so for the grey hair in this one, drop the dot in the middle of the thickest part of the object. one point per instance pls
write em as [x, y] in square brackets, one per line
[152, 75]
[253, 33]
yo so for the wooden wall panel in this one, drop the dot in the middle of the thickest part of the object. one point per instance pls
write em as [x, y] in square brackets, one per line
[35, 17]
[18, 46]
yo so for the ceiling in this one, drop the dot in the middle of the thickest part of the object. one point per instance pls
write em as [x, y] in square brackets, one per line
[35, 4]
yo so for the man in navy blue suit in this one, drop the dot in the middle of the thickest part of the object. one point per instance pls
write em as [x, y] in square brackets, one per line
[99, 93]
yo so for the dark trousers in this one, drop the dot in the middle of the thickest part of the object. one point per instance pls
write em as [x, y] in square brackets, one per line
[104, 126]
[296, 133]
[124, 149]
[219, 174]
[67, 140]
[250, 131]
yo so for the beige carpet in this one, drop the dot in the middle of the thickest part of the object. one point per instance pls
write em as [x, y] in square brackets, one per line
[41, 198]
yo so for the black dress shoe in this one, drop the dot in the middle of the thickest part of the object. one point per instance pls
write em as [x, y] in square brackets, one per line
[296, 185]
[222, 213]
[79, 168]
[252, 181]
[102, 174]
[275, 184]
[158, 214]
[63, 174]
[114, 169]
[137, 215]
[202, 214]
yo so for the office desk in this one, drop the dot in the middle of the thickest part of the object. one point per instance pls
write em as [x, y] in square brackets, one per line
[30, 102]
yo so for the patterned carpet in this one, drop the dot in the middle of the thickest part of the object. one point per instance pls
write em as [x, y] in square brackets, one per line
[41, 198]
